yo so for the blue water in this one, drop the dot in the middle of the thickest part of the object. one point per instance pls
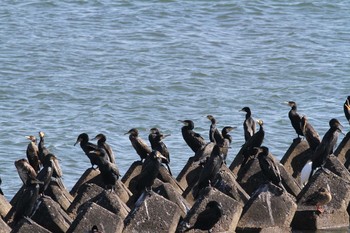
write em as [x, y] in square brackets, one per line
[68, 67]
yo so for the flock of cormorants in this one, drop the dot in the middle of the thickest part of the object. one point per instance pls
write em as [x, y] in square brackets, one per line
[41, 166]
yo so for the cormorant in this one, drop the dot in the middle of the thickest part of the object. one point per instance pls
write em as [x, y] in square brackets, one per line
[1, 193]
[227, 140]
[102, 143]
[255, 141]
[26, 172]
[295, 118]
[326, 147]
[87, 147]
[248, 124]
[109, 171]
[149, 171]
[155, 138]
[140, 146]
[310, 134]
[194, 140]
[347, 109]
[33, 153]
[26, 203]
[214, 134]
[209, 171]
[319, 198]
[43, 151]
[207, 219]
[269, 167]
[46, 173]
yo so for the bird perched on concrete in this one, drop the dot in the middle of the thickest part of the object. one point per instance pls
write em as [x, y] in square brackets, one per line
[207, 219]
[227, 139]
[149, 171]
[319, 198]
[194, 140]
[214, 134]
[43, 151]
[46, 172]
[255, 141]
[269, 166]
[155, 138]
[248, 124]
[140, 146]
[326, 147]
[209, 171]
[101, 142]
[87, 147]
[33, 153]
[295, 118]
[1, 193]
[347, 109]
[310, 134]
[25, 205]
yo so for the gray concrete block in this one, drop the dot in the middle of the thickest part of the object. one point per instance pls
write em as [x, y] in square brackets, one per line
[26, 225]
[343, 151]
[189, 174]
[58, 192]
[154, 214]
[4, 228]
[232, 210]
[334, 165]
[51, 216]
[88, 177]
[85, 193]
[5, 206]
[266, 208]
[92, 214]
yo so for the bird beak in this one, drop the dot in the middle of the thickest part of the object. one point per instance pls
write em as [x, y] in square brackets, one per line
[28, 137]
[78, 141]
[159, 155]
[166, 135]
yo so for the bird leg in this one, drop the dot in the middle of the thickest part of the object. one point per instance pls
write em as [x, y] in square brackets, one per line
[319, 209]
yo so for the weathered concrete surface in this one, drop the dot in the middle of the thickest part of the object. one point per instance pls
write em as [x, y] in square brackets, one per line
[250, 177]
[26, 225]
[110, 201]
[85, 193]
[51, 216]
[296, 157]
[59, 193]
[18, 195]
[235, 166]
[343, 151]
[226, 183]
[334, 165]
[267, 208]
[87, 177]
[4, 228]
[335, 214]
[5, 206]
[170, 193]
[93, 214]
[190, 173]
[154, 214]
[232, 210]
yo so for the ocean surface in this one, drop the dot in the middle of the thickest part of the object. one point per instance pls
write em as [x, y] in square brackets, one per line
[68, 67]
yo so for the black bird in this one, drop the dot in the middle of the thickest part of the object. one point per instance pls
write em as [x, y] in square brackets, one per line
[194, 140]
[155, 138]
[295, 118]
[101, 142]
[209, 171]
[269, 166]
[326, 147]
[207, 219]
[214, 134]
[109, 171]
[248, 124]
[227, 140]
[43, 151]
[1, 193]
[347, 109]
[149, 171]
[310, 134]
[26, 203]
[87, 147]
[33, 153]
[46, 173]
[140, 146]
[255, 141]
